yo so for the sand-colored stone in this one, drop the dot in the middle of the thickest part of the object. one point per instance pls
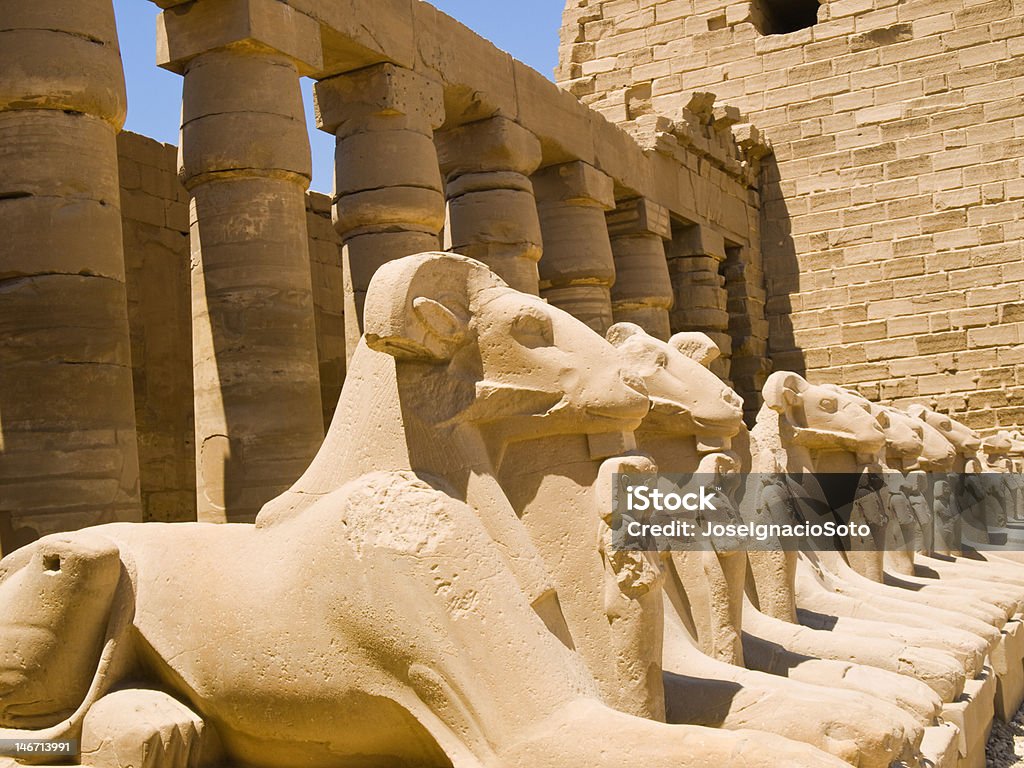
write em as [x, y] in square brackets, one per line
[427, 688]
[577, 269]
[458, 511]
[693, 416]
[856, 436]
[491, 211]
[641, 294]
[389, 199]
[696, 258]
[245, 161]
[68, 455]
[154, 224]
[889, 199]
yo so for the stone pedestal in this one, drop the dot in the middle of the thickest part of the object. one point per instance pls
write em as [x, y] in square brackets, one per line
[388, 193]
[491, 210]
[68, 454]
[642, 292]
[245, 160]
[701, 300]
[577, 270]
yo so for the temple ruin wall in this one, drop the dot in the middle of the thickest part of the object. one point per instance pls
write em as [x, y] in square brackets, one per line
[893, 213]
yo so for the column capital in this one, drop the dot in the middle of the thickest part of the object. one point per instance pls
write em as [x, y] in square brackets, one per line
[577, 183]
[494, 144]
[254, 25]
[372, 99]
[639, 216]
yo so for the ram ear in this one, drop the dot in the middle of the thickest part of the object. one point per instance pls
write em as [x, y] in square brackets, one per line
[783, 389]
[620, 333]
[916, 410]
[437, 320]
[697, 346]
[418, 308]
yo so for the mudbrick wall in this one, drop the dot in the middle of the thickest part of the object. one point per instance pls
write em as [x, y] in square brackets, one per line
[893, 205]
[156, 245]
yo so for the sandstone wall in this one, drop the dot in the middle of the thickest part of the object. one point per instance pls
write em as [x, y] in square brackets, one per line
[156, 244]
[155, 228]
[328, 300]
[893, 213]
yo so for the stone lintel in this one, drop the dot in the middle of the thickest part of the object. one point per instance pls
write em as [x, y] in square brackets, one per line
[494, 144]
[577, 182]
[346, 103]
[698, 240]
[261, 25]
[639, 216]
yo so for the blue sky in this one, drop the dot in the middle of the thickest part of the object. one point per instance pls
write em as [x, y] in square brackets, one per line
[528, 29]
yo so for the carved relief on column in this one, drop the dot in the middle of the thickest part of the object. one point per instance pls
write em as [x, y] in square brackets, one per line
[695, 258]
[246, 162]
[68, 453]
[577, 270]
[491, 210]
[642, 292]
[388, 199]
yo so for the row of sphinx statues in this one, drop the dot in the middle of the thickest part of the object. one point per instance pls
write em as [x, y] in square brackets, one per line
[441, 588]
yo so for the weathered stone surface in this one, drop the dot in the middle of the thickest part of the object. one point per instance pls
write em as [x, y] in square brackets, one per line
[391, 527]
[889, 150]
[258, 415]
[90, 76]
[693, 418]
[262, 25]
[491, 210]
[256, 373]
[497, 144]
[475, 418]
[495, 217]
[388, 200]
[355, 102]
[68, 456]
[158, 284]
[577, 269]
[325, 256]
[642, 293]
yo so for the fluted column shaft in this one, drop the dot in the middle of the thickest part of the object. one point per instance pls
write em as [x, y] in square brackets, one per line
[577, 270]
[245, 160]
[491, 213]
[68, 453]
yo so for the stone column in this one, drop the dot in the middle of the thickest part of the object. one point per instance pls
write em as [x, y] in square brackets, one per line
[577, 270]
[245, 160]
[491, 210]
[388, 199]
[748, 328]
[68, 453]
[642, 292]
[701, 301]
